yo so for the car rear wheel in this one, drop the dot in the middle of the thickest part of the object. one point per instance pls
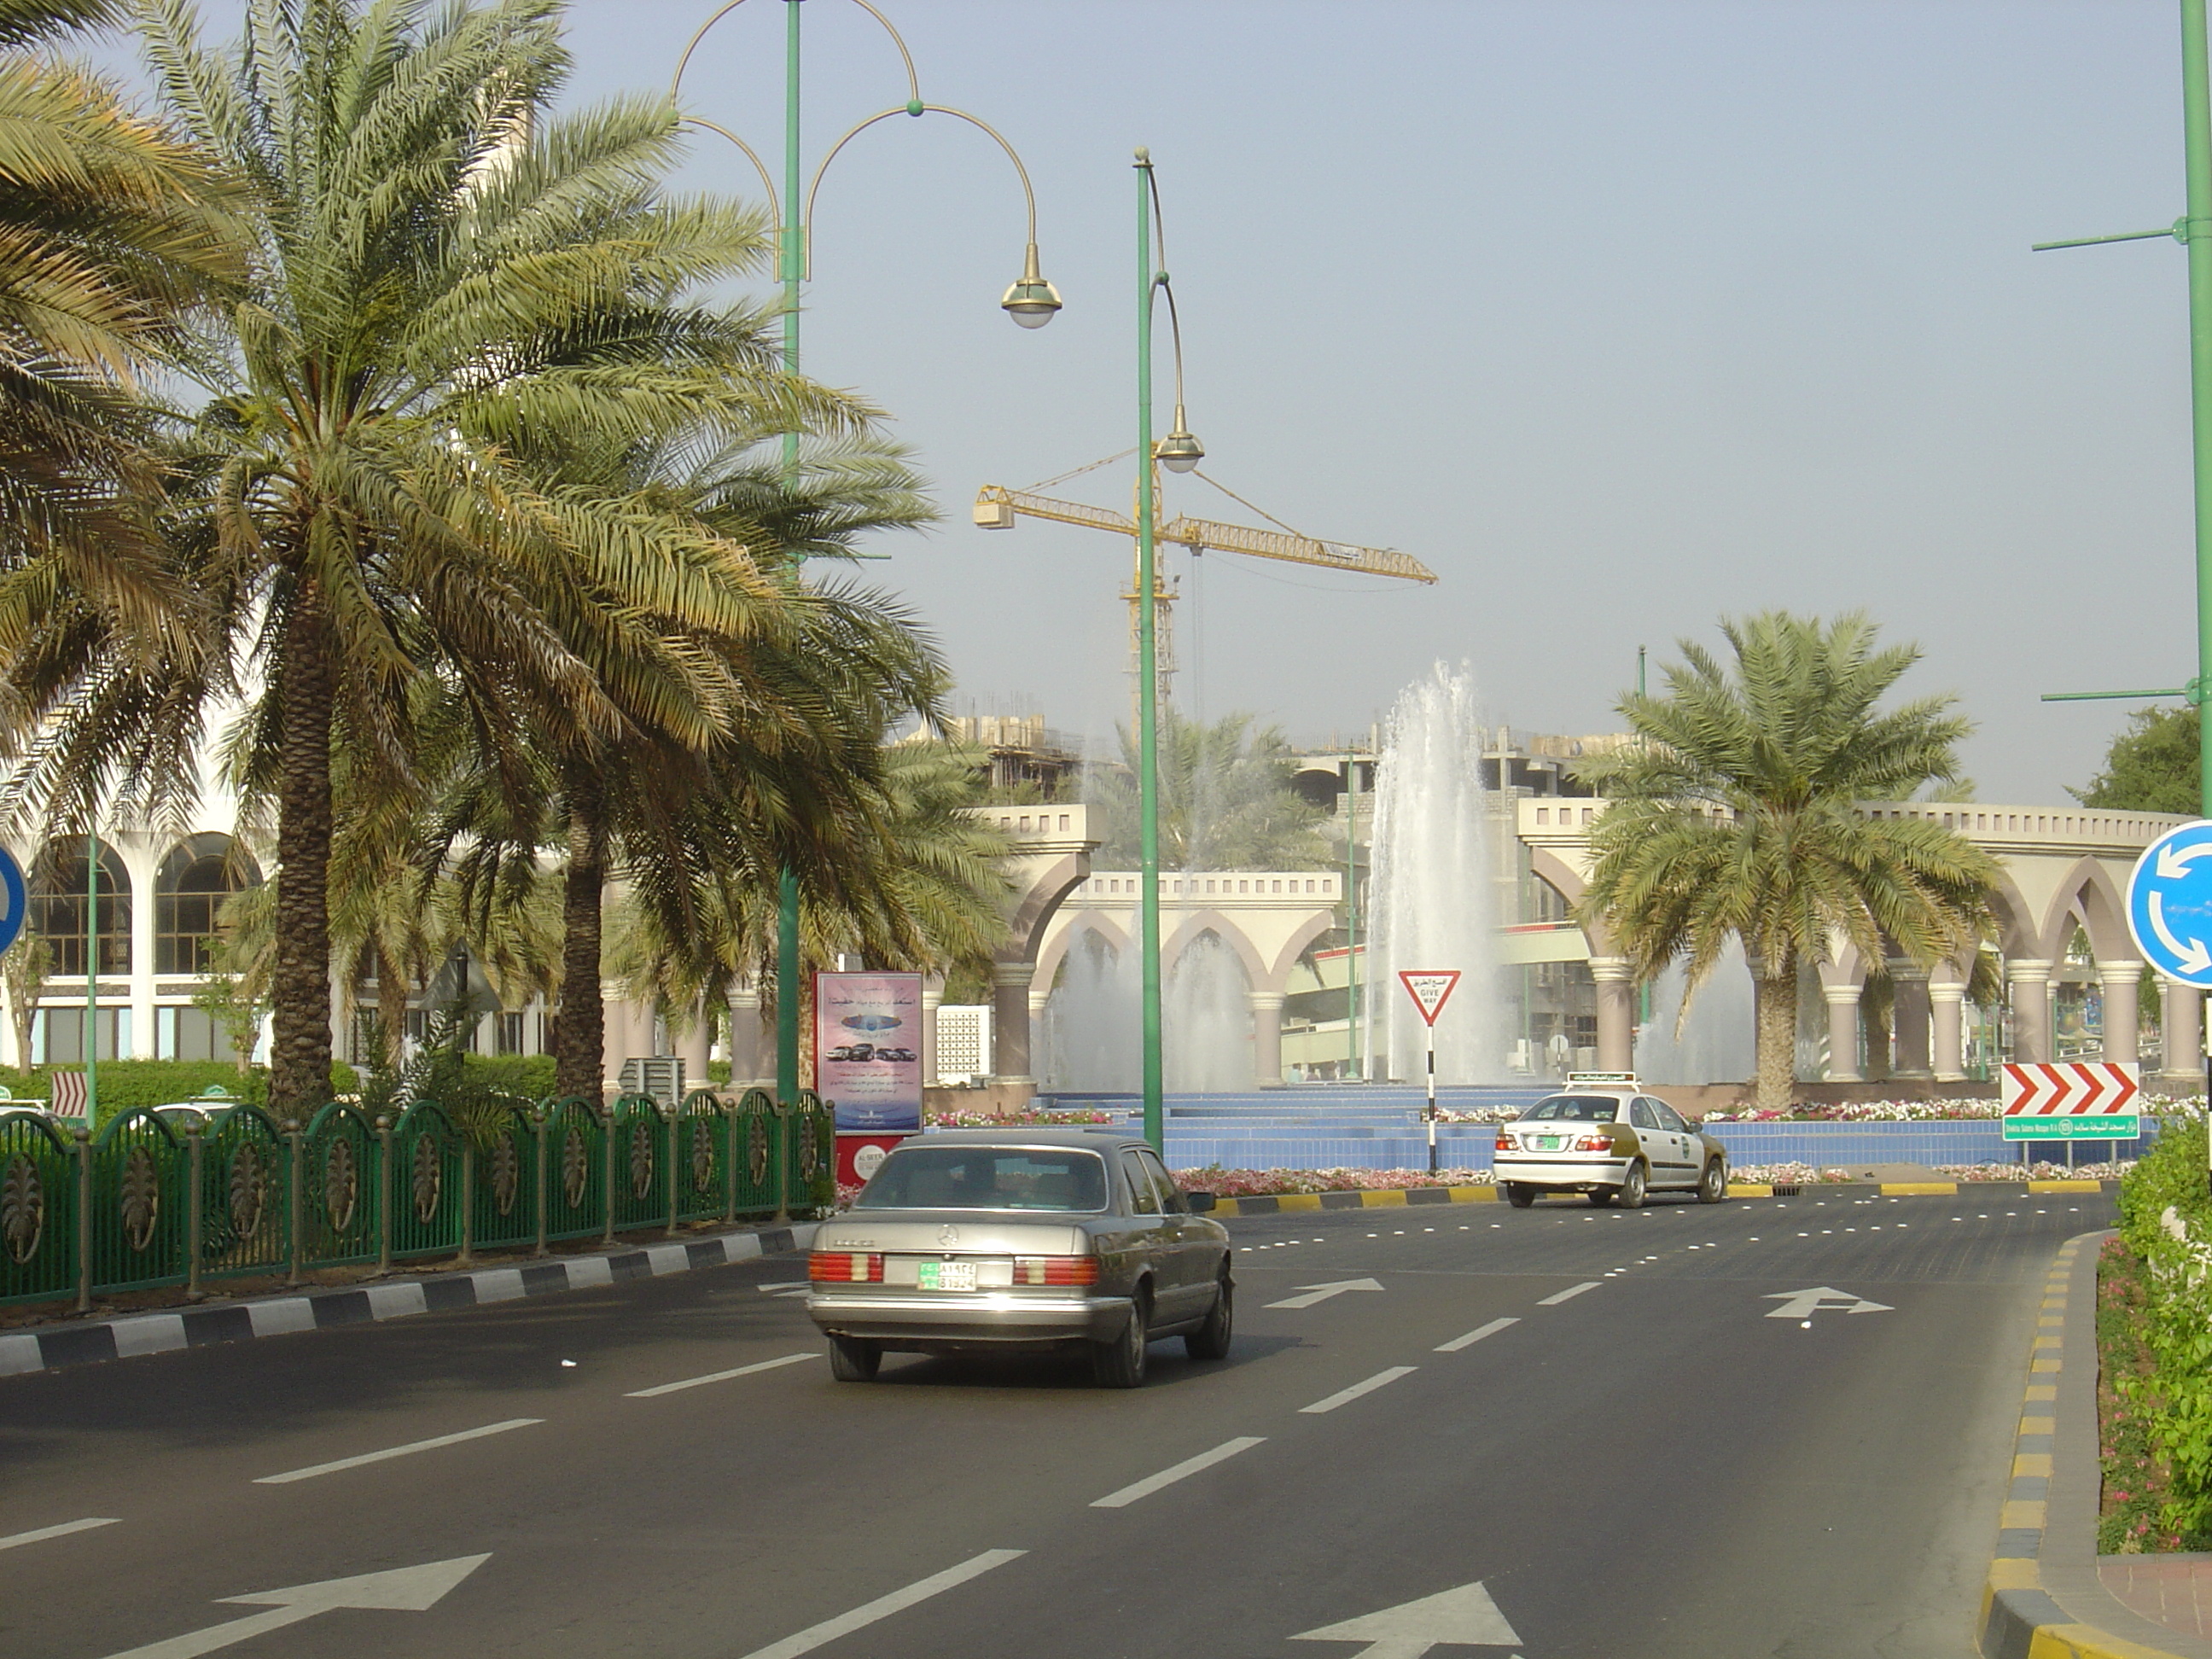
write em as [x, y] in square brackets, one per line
[1600, 1197]
[1120, 1363]
[1520, 1194]
[1630, 1194]
[1211, 1339]
[852, 1360]
[1712, 1186]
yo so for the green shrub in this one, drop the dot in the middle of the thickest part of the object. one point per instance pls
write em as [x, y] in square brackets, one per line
[530, 1076]
[2174, 1396]
[126, 1085]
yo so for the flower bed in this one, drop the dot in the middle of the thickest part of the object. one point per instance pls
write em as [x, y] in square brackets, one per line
[1269, 1183]
[2186, 1110]
[2136, 1478]
[972, 1120]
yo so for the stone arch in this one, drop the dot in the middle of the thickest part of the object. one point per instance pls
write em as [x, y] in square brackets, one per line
[1313, 928]
[1192, 926]
[2089, 896]
[2019, 931]
[1055, 950]
[197, 874]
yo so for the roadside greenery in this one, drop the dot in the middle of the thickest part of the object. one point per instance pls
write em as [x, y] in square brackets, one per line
[2151, 767]
[1225, 800]
[2162, 1388]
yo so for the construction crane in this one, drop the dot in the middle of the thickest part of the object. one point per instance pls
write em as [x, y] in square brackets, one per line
[997, 507]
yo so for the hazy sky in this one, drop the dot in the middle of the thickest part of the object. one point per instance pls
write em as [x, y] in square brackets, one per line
[1619, 316]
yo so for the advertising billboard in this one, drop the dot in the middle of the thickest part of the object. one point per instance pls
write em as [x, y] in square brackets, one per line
[867, 1050]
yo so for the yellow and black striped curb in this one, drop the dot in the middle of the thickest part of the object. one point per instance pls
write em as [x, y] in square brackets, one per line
[1392, 1197]
[2019, 1619]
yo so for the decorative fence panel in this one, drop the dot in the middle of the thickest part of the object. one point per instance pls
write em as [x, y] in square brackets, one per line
[574, 1137]
[427, 1160]
[244, 1195]
[341, 1170]
[640, 1136]
[140, 1176]
[503, 1204]
[37, 1209]
[158, 1198]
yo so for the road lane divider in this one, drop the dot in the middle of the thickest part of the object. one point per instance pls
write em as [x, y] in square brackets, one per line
[1167, 1477]
[656, 1392]
[1346, 1396]
[1474, 1336]
[39, 1534]
[868, 1613]
[313, 1470]
[1567, 1295]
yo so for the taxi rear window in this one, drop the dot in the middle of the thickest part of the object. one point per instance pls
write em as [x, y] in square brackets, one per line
[1573, 1108]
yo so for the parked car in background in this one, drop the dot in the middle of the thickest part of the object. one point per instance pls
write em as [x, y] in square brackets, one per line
[1604, 1136]
[994, 1241]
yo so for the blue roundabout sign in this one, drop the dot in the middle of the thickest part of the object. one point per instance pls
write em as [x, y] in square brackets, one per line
[2170, 903]
[14, 900]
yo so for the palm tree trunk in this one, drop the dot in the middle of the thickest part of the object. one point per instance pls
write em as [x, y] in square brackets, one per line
[580, 1028]
[391, 998]
[1775, 996]
[300, 1055]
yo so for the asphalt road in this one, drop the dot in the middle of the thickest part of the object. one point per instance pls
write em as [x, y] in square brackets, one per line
[1649, 1466]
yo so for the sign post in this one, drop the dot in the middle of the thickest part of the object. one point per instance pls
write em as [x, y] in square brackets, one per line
[2170, 909]
[2079, 1100]
[1430, 991]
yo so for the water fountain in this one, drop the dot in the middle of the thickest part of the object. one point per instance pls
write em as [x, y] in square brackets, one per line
[1717, 1043]
[1090, 1026]
[1433, 888]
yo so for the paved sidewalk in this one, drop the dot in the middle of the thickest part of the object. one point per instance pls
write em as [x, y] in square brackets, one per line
[2172, 1590]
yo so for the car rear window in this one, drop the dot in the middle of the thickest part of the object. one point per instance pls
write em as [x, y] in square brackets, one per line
[986, 1178]
[1573, 1108]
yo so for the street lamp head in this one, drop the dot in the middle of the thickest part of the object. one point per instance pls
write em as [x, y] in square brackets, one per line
[1032, 302]
[1179, 452]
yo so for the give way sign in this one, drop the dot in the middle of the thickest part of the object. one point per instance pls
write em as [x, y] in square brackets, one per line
[1430, 991]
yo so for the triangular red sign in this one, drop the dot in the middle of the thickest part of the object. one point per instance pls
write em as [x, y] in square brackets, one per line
[1430, 991]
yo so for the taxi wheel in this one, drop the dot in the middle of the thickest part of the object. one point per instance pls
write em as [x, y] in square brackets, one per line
[1119, 1364]
[1520, 1194]
[1630, 1194]
[1712, 1186]
[1211, 1339]
[852, 1360]
[1600, 1197]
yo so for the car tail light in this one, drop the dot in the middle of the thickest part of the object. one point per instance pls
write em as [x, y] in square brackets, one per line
[1505, 1143]
[1594, 1144]
[844, 1268]
[1055, 1270]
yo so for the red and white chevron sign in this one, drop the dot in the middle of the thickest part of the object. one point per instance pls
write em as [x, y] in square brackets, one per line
[2085, 1088]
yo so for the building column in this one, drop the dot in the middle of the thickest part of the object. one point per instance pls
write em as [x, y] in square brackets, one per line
[1947, 1000]
[2183, 1020]
[1010, 1022]
[932, 999]
[2031, 1009]
[1909, 1019]
[2120, 981]
[1616, 1013]
[745, 1035]
[1266, 1037]
[145, 880]
[694, 1046]
[1843, 1002]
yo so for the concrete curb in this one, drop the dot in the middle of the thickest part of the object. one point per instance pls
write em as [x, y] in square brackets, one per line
[2043, 1599]
[1393, 1197]
[54, 1347]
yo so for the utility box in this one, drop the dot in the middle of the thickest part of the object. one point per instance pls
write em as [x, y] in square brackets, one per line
[660, 1076]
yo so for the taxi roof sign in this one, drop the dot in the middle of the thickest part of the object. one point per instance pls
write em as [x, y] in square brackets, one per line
[1626, 1079]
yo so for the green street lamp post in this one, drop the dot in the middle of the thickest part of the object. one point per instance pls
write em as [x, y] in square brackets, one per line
[1031, 301]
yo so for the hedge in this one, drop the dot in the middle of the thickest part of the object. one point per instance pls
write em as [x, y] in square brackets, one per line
[2166, 1218]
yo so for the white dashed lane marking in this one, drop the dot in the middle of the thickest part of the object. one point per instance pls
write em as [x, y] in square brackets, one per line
[1346, 1396]
[1167, 1477]
[882, 1606]
[1475, 1335]
[1558, 1297]
[389, 1452]
[718, 1376]
[39, 1534]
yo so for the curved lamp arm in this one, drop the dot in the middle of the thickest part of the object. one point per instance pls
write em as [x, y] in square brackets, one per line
[1179, 452]
[676, 82]
[915, 108]
[768, 181]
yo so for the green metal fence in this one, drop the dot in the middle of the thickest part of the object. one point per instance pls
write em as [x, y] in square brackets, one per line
[185, 1197]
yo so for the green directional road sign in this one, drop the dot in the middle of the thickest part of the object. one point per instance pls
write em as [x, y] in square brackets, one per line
[2057, 1127]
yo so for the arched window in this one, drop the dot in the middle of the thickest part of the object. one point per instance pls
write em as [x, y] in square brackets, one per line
[194, 879]
[57, 908]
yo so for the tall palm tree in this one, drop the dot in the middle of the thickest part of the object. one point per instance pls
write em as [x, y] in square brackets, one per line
[1225, 800]
[441, 269]
[1736, 815]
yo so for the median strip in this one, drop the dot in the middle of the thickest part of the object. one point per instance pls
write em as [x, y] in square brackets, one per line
[717, 1376]
[1168, 1477]
[1346, 1396]
[390, 1452]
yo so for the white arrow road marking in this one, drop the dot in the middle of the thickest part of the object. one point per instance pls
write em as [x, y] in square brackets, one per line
[1465, 1618]
[403, 1589]
[882, 1606]
[717, 1376]
[39, 1534]
[2193, 958]
[1322, 1293]
[314, 1469]
[2172, 862]
[1803, 1305]
[1167, 1477]
[1346, 1396]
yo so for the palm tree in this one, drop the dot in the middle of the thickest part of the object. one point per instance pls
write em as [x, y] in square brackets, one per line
[440, 271]
[1225, 800]
[110, 228]
[1736, 815]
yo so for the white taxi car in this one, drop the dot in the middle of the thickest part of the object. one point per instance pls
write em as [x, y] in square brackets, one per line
[1604, 1135]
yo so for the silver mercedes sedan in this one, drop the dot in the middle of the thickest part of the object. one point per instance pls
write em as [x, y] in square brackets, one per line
[985, 1240]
